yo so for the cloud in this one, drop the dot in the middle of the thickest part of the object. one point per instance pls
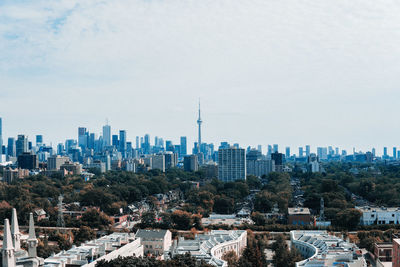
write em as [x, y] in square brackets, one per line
[257, 55]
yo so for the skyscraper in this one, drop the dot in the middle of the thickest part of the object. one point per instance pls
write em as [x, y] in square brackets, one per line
[11, 151]
[115, 141]
[82, 137]
[301, 152]
[39, 140]
[276, 148]
[308, 150]
[122, 142]
[394, 152]
[21, 145]
[107, 135]
[146, 144]
[287, 152]
[199, 122]
[232, 164]
[183, 146]
[1, 135]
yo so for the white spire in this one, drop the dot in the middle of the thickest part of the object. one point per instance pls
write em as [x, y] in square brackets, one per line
[16, 235]
[32, 241]
[8, 249]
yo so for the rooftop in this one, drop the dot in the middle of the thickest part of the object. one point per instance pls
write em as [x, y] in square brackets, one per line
[298, 211]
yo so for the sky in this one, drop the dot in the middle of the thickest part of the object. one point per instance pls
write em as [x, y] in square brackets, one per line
[291, 72]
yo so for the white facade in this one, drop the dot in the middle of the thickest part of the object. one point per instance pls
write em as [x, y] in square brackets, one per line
[212, 246]
[155, 242]
[376, 215]
[321, 249]
[89, 253]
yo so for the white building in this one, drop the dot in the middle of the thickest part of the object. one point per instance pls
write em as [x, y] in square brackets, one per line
[231, 164]
[379, 215]
[106, 248]
[321, 249]
[12, 253]
[211, 246]
[260, 167]
[155, 242]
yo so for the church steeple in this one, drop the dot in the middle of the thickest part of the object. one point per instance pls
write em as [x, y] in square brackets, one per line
[16, 235]
[8, 249]
[32, 241]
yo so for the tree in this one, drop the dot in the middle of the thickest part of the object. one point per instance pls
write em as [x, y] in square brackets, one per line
[223, 204]
[179, 261]
[182, 220]
[258, 218]
[84, 234]
[231, 258]
[95, 219]
[283, 257]
[348, 218]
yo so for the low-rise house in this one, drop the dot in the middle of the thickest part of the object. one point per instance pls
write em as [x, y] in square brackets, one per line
[379, 215]
[383, 253]
[155, 242]
[299, 216]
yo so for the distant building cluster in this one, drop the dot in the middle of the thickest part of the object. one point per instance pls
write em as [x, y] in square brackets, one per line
[91, 152]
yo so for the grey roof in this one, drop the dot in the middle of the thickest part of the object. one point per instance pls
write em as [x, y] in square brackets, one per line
[151, 233]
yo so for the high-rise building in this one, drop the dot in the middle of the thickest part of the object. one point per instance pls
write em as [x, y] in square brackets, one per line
[115, 141]
[269, 151]
[55, 162]
[276, 148]
[394, 152]
[21, 144]
[169, 146]
[183, 146]
[107, 135]
[279, 160]
[39, 140]
[337, 151]
[301, 152]
[11, 150]
[137, 142]
[83, 137]
[232, 164]
[287, 152]
[190, 163]
[308, 150]
[199, 122]
[1, 134]
[322, 153]
[122, 142]
[146, 144]
[27, 161]
[373, 152]
[385, 152]
[158, 162]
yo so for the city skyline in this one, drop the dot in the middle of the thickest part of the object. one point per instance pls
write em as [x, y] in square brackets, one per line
[108, 131]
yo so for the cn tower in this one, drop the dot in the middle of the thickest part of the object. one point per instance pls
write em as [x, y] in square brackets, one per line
[199, 122]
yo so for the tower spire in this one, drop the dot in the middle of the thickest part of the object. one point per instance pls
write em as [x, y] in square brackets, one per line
[199, 122]
[32, 241]
[16, 235]
[8, 249]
